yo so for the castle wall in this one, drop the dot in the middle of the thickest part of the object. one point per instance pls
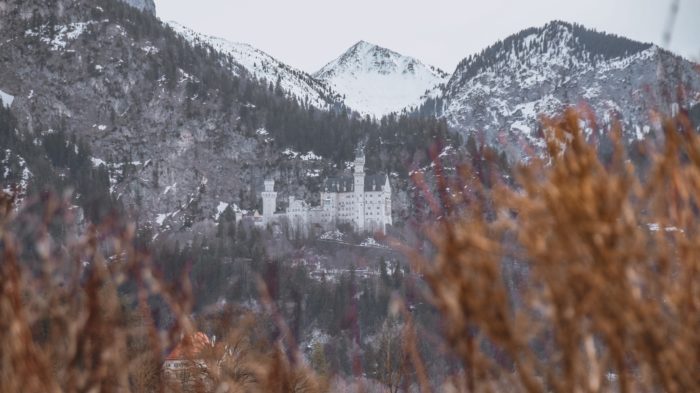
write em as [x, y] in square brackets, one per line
[365, 210]
[346, 207]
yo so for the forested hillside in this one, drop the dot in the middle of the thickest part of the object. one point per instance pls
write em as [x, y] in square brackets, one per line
[55, 163]
[177, 131]
[589, 46]
[539, 233]
[500, 94]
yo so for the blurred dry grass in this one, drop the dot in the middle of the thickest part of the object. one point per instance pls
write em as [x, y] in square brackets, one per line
[611, 288]
[67, 324]
[605, 300]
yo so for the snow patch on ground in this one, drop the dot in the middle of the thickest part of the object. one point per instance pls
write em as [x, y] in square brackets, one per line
[169, 188]
[371, 242]
[313, 173]
[333, 235]
[655, 227]
[149, 49]
[522, 127]
[160, 219]
[7, 99]
[62, 34]
[24, 178]
[290, 153]
[309, 156]
[220, 210]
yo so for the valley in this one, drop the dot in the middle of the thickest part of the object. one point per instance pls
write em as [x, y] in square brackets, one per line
[368, 224]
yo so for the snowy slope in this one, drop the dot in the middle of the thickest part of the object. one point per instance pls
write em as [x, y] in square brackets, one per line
[501, 93]
[263, 66]
[377, 81]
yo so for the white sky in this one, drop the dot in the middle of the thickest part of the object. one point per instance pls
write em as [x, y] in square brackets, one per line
[309, 33]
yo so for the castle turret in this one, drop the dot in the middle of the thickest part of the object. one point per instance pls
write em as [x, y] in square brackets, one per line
[269, 197]
[360, 190]
[387, 204]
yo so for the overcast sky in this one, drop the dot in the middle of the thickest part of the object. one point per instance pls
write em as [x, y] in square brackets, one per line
[309, 33]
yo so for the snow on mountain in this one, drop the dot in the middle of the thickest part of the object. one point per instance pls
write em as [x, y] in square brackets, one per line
[263, 66]
[500, 93]
[6, 99]
[377, 81]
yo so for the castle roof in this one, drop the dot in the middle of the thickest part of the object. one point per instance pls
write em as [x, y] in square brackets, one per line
[375, 182]
[347, 183]
[190, 348]
[339, 184]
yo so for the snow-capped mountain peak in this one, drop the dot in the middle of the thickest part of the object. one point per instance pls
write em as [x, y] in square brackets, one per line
[501, 92]
[556, 47]
[366, 78]
[367, 57]
[378, 81]
[294, 82]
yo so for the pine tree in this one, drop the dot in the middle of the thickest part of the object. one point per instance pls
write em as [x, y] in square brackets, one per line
[383, 272]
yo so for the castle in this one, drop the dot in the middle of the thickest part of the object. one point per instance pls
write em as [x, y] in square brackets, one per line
[361, 201]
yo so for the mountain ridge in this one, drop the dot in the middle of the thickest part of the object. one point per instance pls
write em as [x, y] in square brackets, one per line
[377, 81]
[174, 131]
[262, 65]
[500, 93]
[593, 50]
[172, 119]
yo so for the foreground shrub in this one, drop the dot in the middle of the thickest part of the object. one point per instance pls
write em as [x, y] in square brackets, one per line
[584, 277]
[77, 315]
[581, 276]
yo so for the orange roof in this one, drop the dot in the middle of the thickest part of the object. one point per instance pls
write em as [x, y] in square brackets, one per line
[190, 347]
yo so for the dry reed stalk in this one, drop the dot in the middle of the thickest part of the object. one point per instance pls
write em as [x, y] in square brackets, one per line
[611, 297]
[67, 324]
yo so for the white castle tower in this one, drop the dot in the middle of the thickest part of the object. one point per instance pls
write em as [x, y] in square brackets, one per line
[363, 201]
[269, 197]
[359, 176]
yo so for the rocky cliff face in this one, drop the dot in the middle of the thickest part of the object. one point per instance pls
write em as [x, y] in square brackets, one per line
[143, 5]
[183, 129]
[163, 117]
